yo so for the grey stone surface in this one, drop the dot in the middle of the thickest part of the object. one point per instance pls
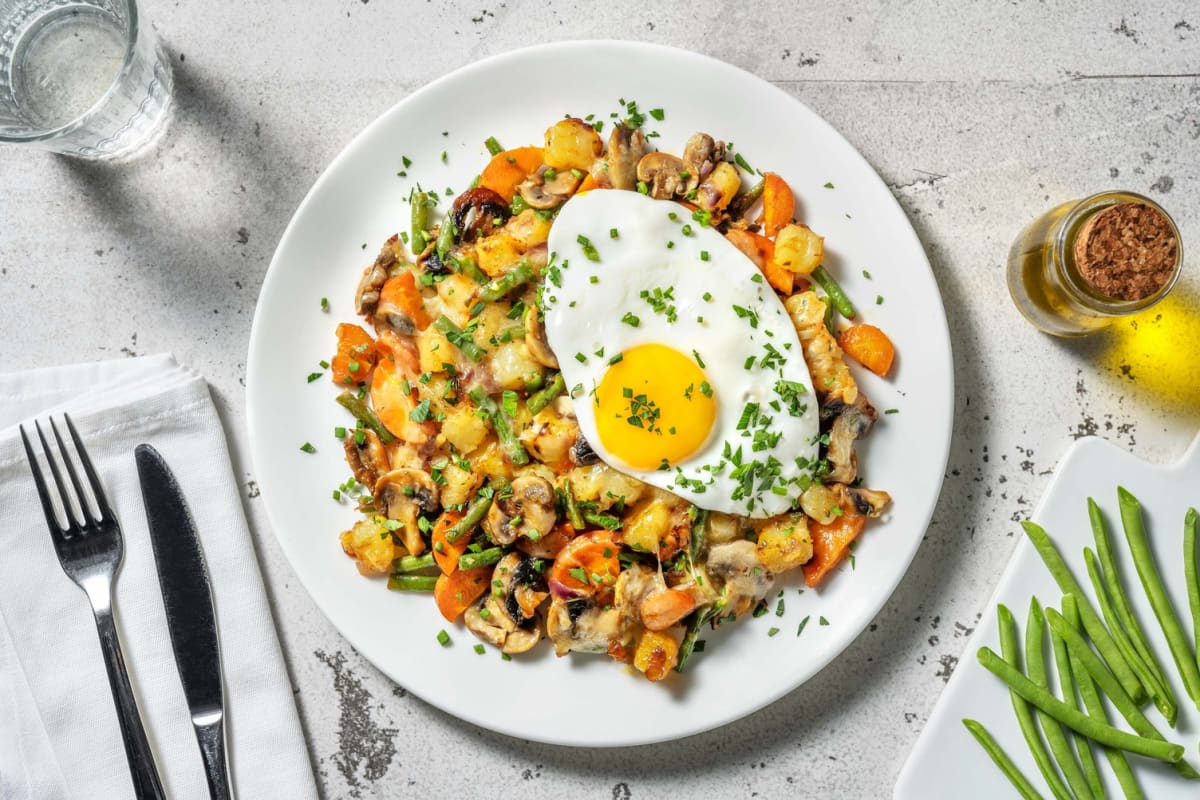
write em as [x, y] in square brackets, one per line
[978, 115]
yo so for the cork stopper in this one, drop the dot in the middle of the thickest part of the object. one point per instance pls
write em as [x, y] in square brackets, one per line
[1127, 251]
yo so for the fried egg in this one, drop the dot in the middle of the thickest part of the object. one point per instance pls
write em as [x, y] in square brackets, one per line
[683, 366]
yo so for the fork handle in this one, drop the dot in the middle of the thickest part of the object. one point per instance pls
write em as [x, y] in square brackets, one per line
[146, 783]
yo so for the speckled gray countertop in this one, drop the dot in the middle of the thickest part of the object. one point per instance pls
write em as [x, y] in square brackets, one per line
[978, 115]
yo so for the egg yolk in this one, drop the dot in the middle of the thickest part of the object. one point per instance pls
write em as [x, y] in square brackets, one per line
[654, 407]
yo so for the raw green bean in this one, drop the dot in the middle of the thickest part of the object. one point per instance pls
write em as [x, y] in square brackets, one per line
[459, 338]
[412, 583]
[1165, 705]
[1066, 683]
[1035, 667]
[836, 294]
[1116, 590]
[508, 439]
[1091, 622]
[519, 275]
[1143, 559]
[1076, 720]
[475, 513]
[1189, 570]
[467, 266]
[361, 412]
[420, 204]
[1023, 711]
[445, 239]
[542, 398]
[1095, 707]
[414, 563]
[1001, 760]
[1110, 686]
[574, 515]
[481, 559]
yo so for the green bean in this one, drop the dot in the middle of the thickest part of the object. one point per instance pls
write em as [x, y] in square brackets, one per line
[412, 583]
[1011, 652]
[420, 204]
[414, 563]
[1189, 570]
[574, 516]
[467, 266]
[1062, 665]
[607, 521]
[362, 412]
[1116, 591]
[459, 338]
[519, 275]
[1091, 622]
[830, 319]
[1095, 707]
[508, 439]
[742, 202]
[475, 513]
[836, 294]
[1110, 686]
[1001, 760]
[445, 238]
[1143, 559]
[1165, 704]
[699, 534]
[534, 380]
[1076, 720]
[481, 559]
[1035, 667]
[543, 398]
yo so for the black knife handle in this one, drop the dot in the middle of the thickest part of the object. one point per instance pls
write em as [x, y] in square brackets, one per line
[146, 783]
[210, 734]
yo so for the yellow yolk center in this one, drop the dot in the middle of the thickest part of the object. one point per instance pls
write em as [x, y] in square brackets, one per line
[654, 406]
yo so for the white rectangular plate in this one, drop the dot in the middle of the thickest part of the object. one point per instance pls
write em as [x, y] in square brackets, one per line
[946, 761]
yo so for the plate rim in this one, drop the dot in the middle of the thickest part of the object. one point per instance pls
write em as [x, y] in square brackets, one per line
[258, 338]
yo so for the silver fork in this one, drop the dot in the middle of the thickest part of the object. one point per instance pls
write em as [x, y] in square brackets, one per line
[90, 552]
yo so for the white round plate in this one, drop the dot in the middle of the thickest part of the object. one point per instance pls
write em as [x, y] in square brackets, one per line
[359, 201]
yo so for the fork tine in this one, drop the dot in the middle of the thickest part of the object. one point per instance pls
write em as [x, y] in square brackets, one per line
[81, 495]
[106, 512]
[73, 523]
[43, 490]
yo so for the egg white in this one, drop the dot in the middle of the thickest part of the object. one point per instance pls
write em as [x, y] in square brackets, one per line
[642, 248]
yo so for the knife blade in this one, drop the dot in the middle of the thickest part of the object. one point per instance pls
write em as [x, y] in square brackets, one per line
[191, 618]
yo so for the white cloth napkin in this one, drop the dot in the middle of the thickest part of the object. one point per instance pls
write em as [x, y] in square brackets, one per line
[59, 736]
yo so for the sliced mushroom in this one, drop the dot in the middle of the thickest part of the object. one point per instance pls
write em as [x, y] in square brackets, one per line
[368, 460]
[702, 153]
[850, 423]
[618, 169]
[582, 454]
[477, 212]
[868, 501]
[545, 193]
[432, 263]
[403, 494]
[366, 297]
[526, 508]
[745, 579]
[501, 618]
[581, 626]
[535, 339]
[666, 176]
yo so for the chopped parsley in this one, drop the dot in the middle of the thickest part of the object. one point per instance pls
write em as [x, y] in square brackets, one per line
[803, 624]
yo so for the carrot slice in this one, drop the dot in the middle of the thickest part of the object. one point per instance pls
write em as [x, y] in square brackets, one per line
[356, 355]
[455, 593]
[506, 170]
[446, 554]
[830, 543]
[779, 203]
[401, 291]
[869, 346]
[394, 404]
[761, 251]
[588, 184]
[588, 564]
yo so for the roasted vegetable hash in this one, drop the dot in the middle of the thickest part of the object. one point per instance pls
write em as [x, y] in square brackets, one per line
[469, 468]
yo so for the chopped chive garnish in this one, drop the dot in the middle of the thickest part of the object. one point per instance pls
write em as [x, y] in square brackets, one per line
[308, 448]
[829, 185]
[493, 146]
[443, 638]
[704, 257]
[800, 628]
[708, 297]
[891, 411]
[822, 621]
[699, 360]
[616, 359]
[479, 649]
[312, 376]
[612, 233]
[657, 113]
[878, 299]
[339, 432]
[324, 303]
[630, 319]
[589, 250]
[772, 631]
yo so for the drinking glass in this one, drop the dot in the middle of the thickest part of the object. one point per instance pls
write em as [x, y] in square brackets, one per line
[85, 78]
